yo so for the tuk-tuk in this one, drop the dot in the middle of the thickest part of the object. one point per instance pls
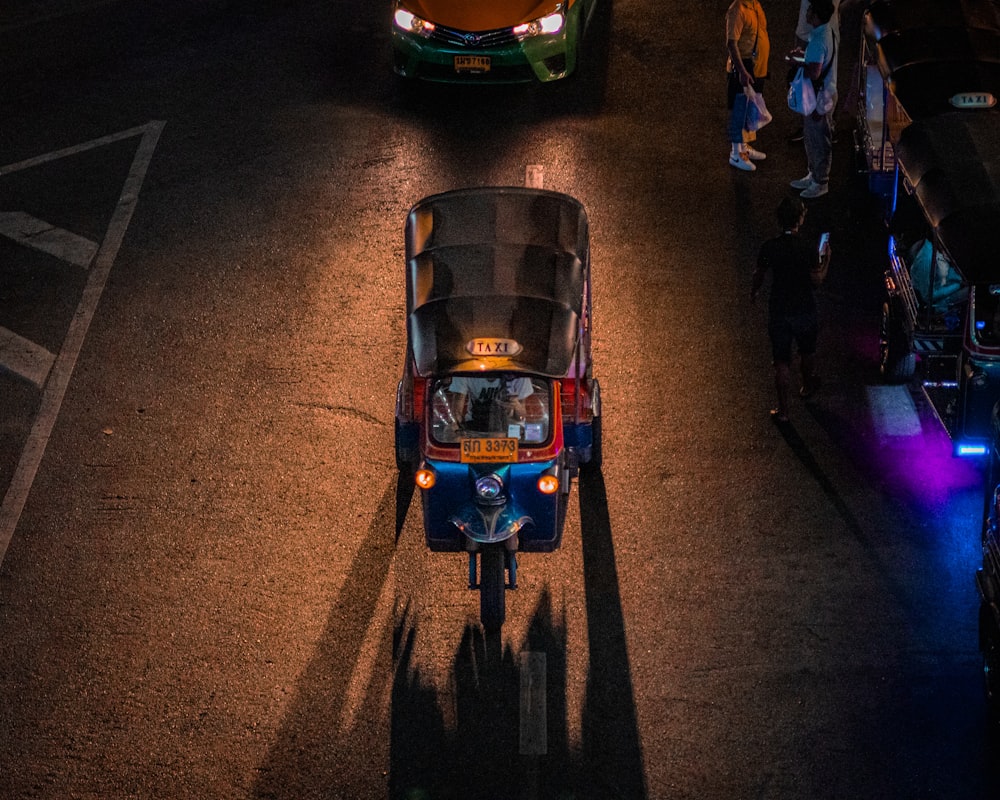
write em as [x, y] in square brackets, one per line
[879, 117]
[498, 408]
[943, 277]
[988, 579]
[927, 128]
[938, 59]
[919, 59]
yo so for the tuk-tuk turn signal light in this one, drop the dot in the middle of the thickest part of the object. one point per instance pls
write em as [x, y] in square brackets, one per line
[425, 478]
[548, 484]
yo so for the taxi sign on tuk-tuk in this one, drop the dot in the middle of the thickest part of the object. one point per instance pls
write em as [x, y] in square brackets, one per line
[973, 100]
[493, 347]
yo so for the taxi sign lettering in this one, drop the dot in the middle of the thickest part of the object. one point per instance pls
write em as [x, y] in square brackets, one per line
[493, 347]
[973, 100]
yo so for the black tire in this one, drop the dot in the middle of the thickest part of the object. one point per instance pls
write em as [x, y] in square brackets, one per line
[596, 449]
[492, 587]
[897, 361]
[405, 457]
[989, 643]
[989, 486]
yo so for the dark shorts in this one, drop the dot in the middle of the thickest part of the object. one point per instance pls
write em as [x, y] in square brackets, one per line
[802, 330]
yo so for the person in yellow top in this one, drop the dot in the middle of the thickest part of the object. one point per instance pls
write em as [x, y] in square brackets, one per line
[749, 50]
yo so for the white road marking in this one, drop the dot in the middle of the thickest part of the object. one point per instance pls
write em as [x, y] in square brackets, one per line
[65, 361]
[55, 155]
[40, 235]
[893, 412]
[25, 358]
[534, 733]
[534, 176]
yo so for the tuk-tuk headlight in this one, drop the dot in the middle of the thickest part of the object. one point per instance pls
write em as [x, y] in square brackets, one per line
[488, 487]
[425, 478]
[548, 484]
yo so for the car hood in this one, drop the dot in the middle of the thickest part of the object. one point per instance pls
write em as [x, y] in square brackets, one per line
[480, 15]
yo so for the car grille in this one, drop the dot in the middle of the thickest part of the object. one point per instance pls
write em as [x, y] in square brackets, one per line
[473, 40]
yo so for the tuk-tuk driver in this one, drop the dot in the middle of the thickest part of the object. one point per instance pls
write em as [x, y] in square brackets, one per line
[474, 398]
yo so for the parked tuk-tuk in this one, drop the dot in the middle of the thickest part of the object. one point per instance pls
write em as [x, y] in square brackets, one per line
[919, 59]
[879, 117]
[497, 408]
[939, 63]
[927, 130]
[943, 276]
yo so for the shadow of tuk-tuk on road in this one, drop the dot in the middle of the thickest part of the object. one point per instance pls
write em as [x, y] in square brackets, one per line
[488, 752]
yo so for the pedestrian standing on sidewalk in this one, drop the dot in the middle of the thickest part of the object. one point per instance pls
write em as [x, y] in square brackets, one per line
[803, 29]
[797, 267]
[817, 127]
[749, 50]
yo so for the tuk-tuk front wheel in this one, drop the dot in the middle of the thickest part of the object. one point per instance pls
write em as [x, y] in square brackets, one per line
[897, 361]
[596, 448]
[406, 453]
[492, 586]
[989, 643]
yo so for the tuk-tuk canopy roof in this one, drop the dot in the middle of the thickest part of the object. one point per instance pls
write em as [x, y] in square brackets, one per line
[932, 50]
[953, 163]
[496, 279]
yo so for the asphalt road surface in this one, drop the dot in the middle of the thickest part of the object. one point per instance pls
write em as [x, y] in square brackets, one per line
[213, 584]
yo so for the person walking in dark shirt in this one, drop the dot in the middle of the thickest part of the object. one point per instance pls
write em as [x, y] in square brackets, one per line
[796, 268]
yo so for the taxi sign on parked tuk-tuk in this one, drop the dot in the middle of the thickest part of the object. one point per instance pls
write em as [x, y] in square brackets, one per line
[973, 100]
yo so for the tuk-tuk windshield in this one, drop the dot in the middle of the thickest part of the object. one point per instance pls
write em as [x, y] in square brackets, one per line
[491, 405]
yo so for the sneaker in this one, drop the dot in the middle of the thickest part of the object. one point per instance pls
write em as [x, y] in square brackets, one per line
[740, 161]
[755, 155]
[803, 183]
[815, 190]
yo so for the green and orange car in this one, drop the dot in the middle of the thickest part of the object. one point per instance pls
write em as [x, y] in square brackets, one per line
[488, 41]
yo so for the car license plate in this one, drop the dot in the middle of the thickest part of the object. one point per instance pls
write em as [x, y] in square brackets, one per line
[499, 450]
[472, 63]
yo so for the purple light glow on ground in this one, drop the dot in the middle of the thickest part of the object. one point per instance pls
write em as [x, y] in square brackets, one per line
[912, 456]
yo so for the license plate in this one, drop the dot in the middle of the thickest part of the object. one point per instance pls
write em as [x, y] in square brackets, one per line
[499, 450]
[472, 63]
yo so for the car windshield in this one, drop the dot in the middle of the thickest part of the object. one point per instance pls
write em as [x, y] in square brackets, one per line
[491, 405]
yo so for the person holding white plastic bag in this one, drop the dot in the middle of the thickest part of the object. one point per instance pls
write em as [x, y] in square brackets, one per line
[749, 50]
[817, 127]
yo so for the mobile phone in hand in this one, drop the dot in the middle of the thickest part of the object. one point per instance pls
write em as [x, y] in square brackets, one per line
[824, 241]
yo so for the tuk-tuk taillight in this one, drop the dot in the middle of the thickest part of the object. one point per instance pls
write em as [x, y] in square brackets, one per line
[425, 478]
[419, 391]
[548, 484]
[575, 399]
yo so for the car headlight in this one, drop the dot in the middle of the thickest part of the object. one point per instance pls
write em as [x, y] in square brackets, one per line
[547, 25]
[411, 23]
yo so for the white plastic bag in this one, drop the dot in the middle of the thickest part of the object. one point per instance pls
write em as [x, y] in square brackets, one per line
[801, 95]
[757, 114]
